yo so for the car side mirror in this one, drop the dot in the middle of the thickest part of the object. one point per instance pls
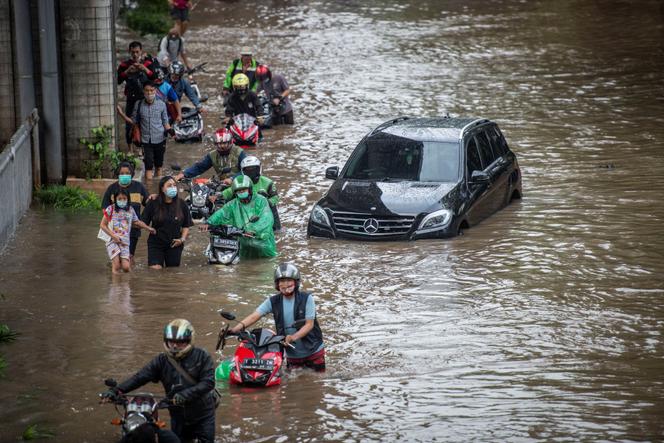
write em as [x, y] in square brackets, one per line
[479, 177]
[332, 172]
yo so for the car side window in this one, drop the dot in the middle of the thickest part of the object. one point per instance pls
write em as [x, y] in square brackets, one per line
[473, 160]
[485, 149]
[498, 142]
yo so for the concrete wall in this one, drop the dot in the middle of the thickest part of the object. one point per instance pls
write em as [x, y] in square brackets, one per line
[7, 110]
[88, 70]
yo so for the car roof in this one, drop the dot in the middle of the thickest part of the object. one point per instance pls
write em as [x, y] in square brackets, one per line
[429, 128]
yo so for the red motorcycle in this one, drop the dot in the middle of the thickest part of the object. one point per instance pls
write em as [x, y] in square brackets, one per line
[245, 131]
[258, 359]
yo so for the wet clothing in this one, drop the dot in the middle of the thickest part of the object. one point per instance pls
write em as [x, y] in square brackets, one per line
[182, 88]
[152, 118]
[196, 416]
[237, 214]
[315, 361]
[247, 105]
[286, 311]
[153, 155]
[235, 68]
[217, 161]
[138, 196]
[274, 88]
[265, 187]
[168, 219]
[120, 223]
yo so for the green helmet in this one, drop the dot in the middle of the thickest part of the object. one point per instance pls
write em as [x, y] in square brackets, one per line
[241, 182]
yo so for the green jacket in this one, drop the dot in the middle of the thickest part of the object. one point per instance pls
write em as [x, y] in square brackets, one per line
[264, 187]
[236, 68]
[237, 214]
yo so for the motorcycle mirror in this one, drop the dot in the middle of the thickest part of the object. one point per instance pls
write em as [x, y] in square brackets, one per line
[110, 382]
[254, 219]
[176, 167]
[226, 315]
[226, 170]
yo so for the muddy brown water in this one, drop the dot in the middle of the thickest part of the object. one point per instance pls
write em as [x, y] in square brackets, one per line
[542, 323]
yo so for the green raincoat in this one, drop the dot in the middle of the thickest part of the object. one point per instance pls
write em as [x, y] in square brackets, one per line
[237, 214]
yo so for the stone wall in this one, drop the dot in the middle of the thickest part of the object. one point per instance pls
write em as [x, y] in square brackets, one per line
[88, 69]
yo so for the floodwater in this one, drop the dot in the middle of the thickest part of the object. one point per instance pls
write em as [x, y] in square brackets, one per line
[544, 322]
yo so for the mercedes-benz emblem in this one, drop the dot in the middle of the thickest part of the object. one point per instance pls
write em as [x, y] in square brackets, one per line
[370, 226]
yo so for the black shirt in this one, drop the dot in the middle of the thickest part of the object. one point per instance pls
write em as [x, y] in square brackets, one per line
[138, 195]
[169, 227]
[250, 105]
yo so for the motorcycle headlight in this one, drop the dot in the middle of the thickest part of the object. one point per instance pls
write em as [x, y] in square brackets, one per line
[319, 216]
[436, 220]
[199, 200]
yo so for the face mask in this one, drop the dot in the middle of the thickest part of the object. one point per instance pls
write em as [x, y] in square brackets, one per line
[243, 195]
[171, 192]
[150, 97]
[122, 203]
[124, 179]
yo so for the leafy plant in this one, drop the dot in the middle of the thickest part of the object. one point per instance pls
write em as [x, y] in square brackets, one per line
[149, 17]
[66, 197]
[104, 156]
[6, 334]
[33, 432]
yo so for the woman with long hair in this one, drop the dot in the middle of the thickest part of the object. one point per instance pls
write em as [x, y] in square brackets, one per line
[171, 218]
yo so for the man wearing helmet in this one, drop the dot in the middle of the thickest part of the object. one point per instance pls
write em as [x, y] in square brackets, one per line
[242, 100]
[251, 212]
[187, 375]
[251, 167]
[276, 88]
[246, 65]
[167, 94]
[225, 155]
[288, 306]
[180, 84]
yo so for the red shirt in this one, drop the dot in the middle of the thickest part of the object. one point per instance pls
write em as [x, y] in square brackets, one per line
[180, 4]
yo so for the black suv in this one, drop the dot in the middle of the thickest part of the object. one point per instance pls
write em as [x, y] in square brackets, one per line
[413, 178]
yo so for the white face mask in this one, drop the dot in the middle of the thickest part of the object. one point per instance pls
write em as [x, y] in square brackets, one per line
[150, 97]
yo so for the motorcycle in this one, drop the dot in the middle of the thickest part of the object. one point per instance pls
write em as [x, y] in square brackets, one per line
[245, 131]
[191, 128]
[270, 111]
[136, 409]
[224, 246]
[199, 191]
[258, 359]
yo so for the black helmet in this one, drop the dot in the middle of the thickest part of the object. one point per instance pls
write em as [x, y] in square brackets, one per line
[177, 68]
[287, 270]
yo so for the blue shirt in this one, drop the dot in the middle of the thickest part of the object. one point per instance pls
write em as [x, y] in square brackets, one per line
[289, 318]
[166, 92]
[182, 87]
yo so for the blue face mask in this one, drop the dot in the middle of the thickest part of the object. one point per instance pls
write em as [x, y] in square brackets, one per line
[171, 192]
[121, 204]
[124, 179]
[242, 195]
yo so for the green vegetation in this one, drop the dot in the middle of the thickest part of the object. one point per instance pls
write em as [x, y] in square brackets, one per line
[105, 158]
[34, 432]
[66, 197]
[149, 17]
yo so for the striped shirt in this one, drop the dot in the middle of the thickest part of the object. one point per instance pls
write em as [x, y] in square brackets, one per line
[153, 120]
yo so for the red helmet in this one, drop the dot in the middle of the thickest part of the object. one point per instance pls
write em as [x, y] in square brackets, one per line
[222, 135]
[263, 71]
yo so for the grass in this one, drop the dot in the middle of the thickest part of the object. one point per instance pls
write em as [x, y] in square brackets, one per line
[34, 432]
[66, 197]
[149, 17]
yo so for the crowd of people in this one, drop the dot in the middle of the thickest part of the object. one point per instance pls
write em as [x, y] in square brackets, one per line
[154, 88]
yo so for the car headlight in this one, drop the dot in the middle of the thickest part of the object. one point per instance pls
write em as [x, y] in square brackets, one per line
[319, 216]
[436, 220]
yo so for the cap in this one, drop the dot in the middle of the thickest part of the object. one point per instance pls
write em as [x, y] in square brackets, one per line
[246, 51]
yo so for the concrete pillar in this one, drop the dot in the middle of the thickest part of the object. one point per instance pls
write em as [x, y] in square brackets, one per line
[88, 69]
[23, 57]
[51, 111]
[7, 110]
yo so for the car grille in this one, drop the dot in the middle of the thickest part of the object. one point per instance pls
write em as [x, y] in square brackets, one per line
[370, 225]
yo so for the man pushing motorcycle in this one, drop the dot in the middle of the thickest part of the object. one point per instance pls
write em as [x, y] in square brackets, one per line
[251, 212]
[187, 374]
[290, 307]
[225, 155]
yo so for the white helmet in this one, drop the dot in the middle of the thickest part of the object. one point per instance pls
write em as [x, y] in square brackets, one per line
[250, 160]
[251, 167]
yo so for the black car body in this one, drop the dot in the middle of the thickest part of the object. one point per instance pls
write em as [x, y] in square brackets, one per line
[416, 178]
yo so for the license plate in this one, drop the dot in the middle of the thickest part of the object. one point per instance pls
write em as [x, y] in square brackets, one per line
[225, 243]
[257, 364]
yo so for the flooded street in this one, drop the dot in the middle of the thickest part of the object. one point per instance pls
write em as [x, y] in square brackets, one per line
[544, 322]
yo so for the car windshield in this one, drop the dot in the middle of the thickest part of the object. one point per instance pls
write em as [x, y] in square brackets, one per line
[391, 158]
